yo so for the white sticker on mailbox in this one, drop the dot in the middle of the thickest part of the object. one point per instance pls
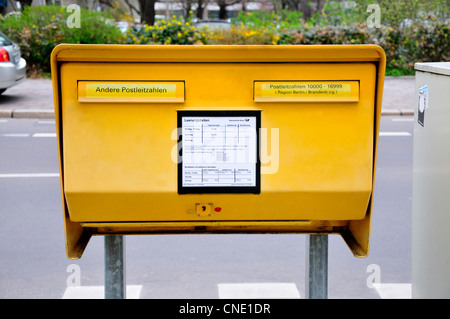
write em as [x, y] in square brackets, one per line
[219, 151]
[423, 104]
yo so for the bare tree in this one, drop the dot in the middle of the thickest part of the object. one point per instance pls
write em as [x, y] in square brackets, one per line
[201, 5]
[3, 7]
[147, 9]
[187, 7]
[223, 4]
[132, 7]
[308, 7]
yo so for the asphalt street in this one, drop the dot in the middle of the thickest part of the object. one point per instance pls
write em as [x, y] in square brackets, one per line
[34, 265]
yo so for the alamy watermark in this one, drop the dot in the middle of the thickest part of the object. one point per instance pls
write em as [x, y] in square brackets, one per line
[374, 277]
[374, 20]
[208, 150]
[74, 278]
[74, 19]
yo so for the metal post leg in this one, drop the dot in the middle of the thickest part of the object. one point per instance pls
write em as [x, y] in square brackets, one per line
[115, 283]
[317, 267]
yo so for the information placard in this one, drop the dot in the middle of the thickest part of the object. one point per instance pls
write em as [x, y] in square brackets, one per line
[219, 152]
[130, 91]
[306, 91]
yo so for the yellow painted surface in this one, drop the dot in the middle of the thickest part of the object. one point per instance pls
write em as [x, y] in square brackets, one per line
[117, 157]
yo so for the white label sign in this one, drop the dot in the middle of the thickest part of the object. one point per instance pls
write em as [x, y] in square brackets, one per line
[219, 151]
[423, 104]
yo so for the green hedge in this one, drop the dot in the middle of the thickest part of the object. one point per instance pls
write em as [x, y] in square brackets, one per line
[419, 42]
[39, 29]
[403, 46]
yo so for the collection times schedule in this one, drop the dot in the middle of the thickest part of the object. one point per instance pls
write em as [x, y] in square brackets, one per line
[219, 151]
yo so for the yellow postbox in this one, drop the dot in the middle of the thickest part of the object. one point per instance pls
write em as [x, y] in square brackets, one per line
[217, 139]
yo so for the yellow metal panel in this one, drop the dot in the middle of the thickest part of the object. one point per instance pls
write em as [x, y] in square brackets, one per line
[118, 159]
[218, 53]
[130, 162]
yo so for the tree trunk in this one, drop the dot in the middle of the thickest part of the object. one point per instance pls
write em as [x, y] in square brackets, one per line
[222, 11]
[200, 9]
[186, 8]
[147, 11]
[305, 8]
[25, 3]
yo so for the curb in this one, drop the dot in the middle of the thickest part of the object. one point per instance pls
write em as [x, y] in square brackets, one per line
[27, 114]
[404, 112]
[50, 114]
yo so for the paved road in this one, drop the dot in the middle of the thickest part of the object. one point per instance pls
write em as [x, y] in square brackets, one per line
[33, 262]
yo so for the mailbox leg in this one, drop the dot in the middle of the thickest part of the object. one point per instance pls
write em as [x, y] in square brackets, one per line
[115, 284]
[316, 267]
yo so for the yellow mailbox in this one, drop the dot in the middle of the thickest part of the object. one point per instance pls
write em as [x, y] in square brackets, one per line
[217, 139]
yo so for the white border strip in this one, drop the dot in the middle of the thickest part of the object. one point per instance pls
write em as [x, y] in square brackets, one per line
[395, 134]
[15, 135]
[44, 135]
[31, 175]
[394, 291]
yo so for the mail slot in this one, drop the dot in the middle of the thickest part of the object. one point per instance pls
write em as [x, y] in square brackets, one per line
[217, 139]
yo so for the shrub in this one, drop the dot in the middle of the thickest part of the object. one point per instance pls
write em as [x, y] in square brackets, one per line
[428, 42]
[416, 43]
[393, 13]
[37, 30]
[244, 35]
[307, 34]
[174, 31]
[269, 20]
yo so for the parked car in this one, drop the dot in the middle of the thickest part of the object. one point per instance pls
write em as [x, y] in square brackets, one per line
[12, 65]
[213, 24]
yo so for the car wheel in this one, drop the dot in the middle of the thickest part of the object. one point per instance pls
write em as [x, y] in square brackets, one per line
[2, 90]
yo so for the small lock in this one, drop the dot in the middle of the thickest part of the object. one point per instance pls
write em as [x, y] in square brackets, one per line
[203, 209]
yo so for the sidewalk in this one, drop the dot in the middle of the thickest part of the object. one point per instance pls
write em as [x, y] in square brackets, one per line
[398, 95]
[34, 98]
